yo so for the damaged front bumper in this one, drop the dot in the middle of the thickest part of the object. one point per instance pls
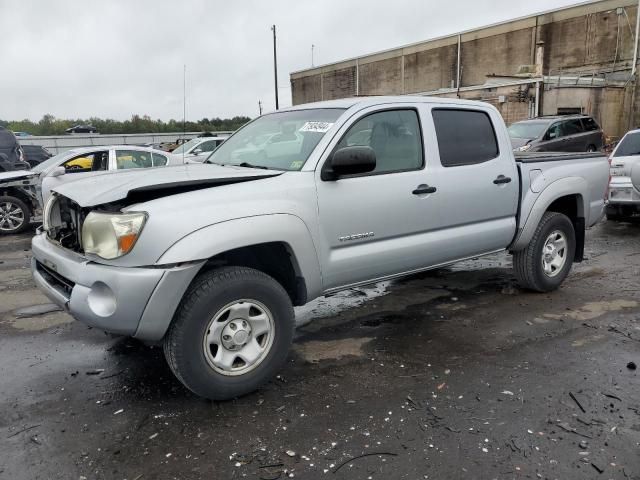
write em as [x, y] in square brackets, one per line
[137, 302]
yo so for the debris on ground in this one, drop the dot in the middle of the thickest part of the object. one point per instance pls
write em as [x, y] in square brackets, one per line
[36, 310]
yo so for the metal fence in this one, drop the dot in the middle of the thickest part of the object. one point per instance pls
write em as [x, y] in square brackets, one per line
[62, 143]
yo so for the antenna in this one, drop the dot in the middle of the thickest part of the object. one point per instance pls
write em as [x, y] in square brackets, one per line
[275, 64]
[184, 106]
[312, 47]
[260, 107]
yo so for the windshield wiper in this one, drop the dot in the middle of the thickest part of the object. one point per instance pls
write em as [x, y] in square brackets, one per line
[249, 165]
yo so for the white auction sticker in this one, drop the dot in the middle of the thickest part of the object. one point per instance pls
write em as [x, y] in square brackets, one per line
[319, 127]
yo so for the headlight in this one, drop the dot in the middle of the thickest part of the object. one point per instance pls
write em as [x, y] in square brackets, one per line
[111, 235]
[523, 148]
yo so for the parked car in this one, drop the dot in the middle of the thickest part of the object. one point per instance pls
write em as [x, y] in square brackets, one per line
[22, 134]
[82, 129]
[198, 149]
[624, 187]
[35, 154]
[563, 133]
[11, 154]
[211, 258]
[23, 193]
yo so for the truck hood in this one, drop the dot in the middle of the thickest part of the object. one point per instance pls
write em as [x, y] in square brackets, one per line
[16, 175]
[147, 184]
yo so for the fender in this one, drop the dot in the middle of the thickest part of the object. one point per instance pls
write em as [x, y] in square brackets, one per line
[220, 237]
[559, 188]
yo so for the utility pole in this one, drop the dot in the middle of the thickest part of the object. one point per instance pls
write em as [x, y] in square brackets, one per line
[260, 106]
[275, 64]
[312, 47]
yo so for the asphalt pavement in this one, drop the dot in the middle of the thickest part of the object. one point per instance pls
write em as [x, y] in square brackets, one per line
[450, 374]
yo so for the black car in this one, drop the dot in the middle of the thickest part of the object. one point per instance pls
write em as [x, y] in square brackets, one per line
[561, 133]
[35, 154]
[82, 129]
[11, 155]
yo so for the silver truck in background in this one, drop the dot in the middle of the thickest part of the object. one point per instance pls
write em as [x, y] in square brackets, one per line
[624, 187]
[210, 259]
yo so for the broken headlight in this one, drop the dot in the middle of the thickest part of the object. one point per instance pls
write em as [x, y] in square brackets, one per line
[111, 235]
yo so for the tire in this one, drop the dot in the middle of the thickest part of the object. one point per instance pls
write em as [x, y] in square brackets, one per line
[529, 263]
[592, 148]
[202, 316]
[14, 215]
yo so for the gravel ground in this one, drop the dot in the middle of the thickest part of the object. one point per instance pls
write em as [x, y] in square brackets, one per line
[451, 374]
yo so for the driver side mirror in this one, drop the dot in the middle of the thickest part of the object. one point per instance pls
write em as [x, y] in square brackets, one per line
[197, 151]
[552, 134]
[349, 161]
[58, 171]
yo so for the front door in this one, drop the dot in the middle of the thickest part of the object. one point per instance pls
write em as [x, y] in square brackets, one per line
[376, 224]
[76, 167]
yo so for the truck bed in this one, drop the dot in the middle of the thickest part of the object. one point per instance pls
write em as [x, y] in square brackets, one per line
[585, 175]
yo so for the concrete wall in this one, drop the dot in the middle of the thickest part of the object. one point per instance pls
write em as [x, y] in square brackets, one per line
[594, 37]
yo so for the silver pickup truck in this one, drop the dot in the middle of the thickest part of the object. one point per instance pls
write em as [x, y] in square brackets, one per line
[211, 258]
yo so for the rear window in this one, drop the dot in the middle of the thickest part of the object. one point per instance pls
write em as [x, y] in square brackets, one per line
[465, 137]
[590, 124]
[629, 145]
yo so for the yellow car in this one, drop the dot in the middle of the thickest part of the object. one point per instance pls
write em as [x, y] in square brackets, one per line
[81, 163]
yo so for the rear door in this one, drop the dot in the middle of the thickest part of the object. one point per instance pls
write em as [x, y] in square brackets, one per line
[478, 183]
[593, 133]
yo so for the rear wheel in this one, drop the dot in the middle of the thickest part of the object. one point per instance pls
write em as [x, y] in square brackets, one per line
[14, 215]
[544, 264]
[592, 148]
[231, 333]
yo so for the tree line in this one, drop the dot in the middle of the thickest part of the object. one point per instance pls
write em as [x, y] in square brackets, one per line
[50, 125]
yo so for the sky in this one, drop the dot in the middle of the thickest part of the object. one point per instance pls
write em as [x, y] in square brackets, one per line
[116, 58]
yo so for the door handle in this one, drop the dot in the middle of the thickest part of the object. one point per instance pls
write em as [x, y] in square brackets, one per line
[424, 189]
[502, 179]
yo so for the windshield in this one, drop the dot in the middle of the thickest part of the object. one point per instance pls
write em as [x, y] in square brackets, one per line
[184, 148]
[629, 145]
[42, 166]
[279, 141]
[528, 130]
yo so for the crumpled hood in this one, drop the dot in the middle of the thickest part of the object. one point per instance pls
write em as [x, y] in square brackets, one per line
[146, 184]
[16, 175]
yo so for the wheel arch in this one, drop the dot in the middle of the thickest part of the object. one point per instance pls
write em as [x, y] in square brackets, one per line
[567, 196]
[280, 245]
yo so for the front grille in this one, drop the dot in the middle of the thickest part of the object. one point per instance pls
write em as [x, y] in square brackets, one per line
[57, 281]
[64, 222]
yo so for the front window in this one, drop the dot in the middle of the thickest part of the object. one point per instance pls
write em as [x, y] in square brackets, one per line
[629, 145]
[278, 141]
[185, 147]
[528, 130]
[50, 162]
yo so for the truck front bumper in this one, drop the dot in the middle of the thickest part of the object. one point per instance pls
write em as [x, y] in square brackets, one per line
[138, 302]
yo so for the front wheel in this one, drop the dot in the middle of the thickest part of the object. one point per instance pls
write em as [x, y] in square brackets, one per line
[544, 264]
[231, 333]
